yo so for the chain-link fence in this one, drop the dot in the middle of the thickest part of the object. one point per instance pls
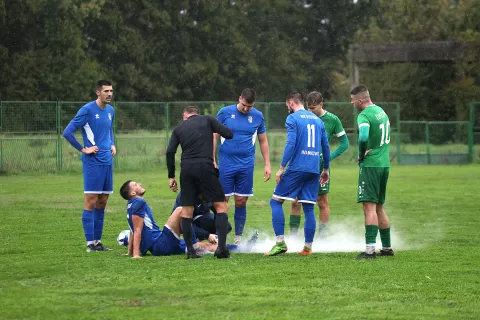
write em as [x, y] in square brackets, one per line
[30, 133]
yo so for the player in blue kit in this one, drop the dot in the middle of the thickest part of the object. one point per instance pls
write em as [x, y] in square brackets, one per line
[306, 140]
[236, 157]
[147, 236]
[95, 121]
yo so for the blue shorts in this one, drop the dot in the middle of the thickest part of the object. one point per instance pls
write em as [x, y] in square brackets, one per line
[97, 179]
[297, 184]
[236, 181]
[168, 243]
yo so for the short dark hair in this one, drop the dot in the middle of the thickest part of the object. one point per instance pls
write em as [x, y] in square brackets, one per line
[125, 190]
[314, 98]
[191, 110]
[102, 83]
[249, 95]
[358, 89]
[297, 97]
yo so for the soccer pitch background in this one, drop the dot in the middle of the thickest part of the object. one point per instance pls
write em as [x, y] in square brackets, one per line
[45, 272]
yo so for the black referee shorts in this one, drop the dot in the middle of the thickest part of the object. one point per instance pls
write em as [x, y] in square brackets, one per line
[196, 178]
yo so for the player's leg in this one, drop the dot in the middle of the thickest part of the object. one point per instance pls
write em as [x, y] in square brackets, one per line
[295, 216]
[287, 189]
[243, 190]
[105, 174]
[188, 197]
[383, 221]
[307, 196]
[368, 195]
[322, 201]
[213, 192]
[91, 188]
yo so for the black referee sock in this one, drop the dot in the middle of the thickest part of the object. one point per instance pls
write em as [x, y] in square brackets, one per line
[221, 224]
[187, 231]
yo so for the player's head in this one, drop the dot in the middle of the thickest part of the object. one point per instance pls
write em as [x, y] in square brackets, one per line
[360, 97]
[246, 100]
[190, 111]
[314, 101]
[131, 189]
[294, 101]
[104, 91]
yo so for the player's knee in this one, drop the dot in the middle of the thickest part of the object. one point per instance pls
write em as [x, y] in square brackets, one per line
[220, 206]
[241, 202]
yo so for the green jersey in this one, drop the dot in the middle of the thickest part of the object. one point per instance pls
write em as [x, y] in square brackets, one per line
[333, 126]
[378, 138]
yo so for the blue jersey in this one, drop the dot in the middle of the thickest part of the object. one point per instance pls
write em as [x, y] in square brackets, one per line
[306, 140]
[96, 127]
[150, 232]
[240, 151]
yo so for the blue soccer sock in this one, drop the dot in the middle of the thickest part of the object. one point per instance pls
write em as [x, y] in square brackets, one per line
[310, 223]
[278, 217]
[240, 217]
[88, 223]
[98, 215]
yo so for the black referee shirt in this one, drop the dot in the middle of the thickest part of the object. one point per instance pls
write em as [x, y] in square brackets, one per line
[195, 136]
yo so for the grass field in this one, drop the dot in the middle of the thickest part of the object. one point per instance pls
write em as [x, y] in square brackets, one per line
[45, 272]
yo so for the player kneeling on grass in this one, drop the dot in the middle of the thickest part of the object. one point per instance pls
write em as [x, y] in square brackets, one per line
[147, 236]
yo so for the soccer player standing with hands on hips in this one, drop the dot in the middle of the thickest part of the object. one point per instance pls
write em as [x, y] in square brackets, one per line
[198, 174]
[333, 126]
[236, 157]
[306, 139]
[95, 121]
[374, 161]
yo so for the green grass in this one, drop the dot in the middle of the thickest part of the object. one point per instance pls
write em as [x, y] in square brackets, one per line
[45, 272]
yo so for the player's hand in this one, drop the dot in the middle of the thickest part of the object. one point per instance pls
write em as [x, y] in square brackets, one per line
[324, 177]
[279, 174]
[213, 238]
[215, 164]
[173, 185]
[90, 150]
[267, 173]
[113, 150]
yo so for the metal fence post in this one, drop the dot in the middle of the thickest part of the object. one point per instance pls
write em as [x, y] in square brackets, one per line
[167, 124]
[59, 135]
[470, 142]
[1, 116]
[116, 164]
[399, 133]
[427, 141]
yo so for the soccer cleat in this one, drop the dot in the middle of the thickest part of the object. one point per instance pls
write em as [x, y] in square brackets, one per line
[91, 248]
[193, 255]
[278, 248]
[365, 255]
[323, 231]
[386, 252]
[100, 247]
[222, 254]
[306, 251]
[253, 239]
[237, 240]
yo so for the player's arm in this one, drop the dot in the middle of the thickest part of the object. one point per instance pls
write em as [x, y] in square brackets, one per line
[325, 175]
[69, 133]
[221, 129]
[363, 132]
[112, 139]
[171, 150]
[289, 147]
[264, 148]
[342, 138]
[137, 235]
[215, 142]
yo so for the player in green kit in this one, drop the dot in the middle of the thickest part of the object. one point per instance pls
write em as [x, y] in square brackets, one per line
[374, 162]
[333, 127]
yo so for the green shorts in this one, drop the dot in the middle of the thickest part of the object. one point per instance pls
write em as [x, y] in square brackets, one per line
[372, 184]
[324, 188]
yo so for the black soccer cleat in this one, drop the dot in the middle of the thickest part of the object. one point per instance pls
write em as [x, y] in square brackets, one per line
[91, 248]
[222, 254]
[386, 252]
[100, 247]
[365, 255]
[193, 255]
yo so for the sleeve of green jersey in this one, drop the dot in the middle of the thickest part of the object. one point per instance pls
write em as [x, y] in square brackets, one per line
[339, 131]
[364, 128]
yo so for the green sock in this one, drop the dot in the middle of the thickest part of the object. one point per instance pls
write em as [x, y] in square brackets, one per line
[371, 234]
[385, 237]
[294, 224]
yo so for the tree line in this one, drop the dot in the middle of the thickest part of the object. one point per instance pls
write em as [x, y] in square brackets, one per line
[209, 50]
